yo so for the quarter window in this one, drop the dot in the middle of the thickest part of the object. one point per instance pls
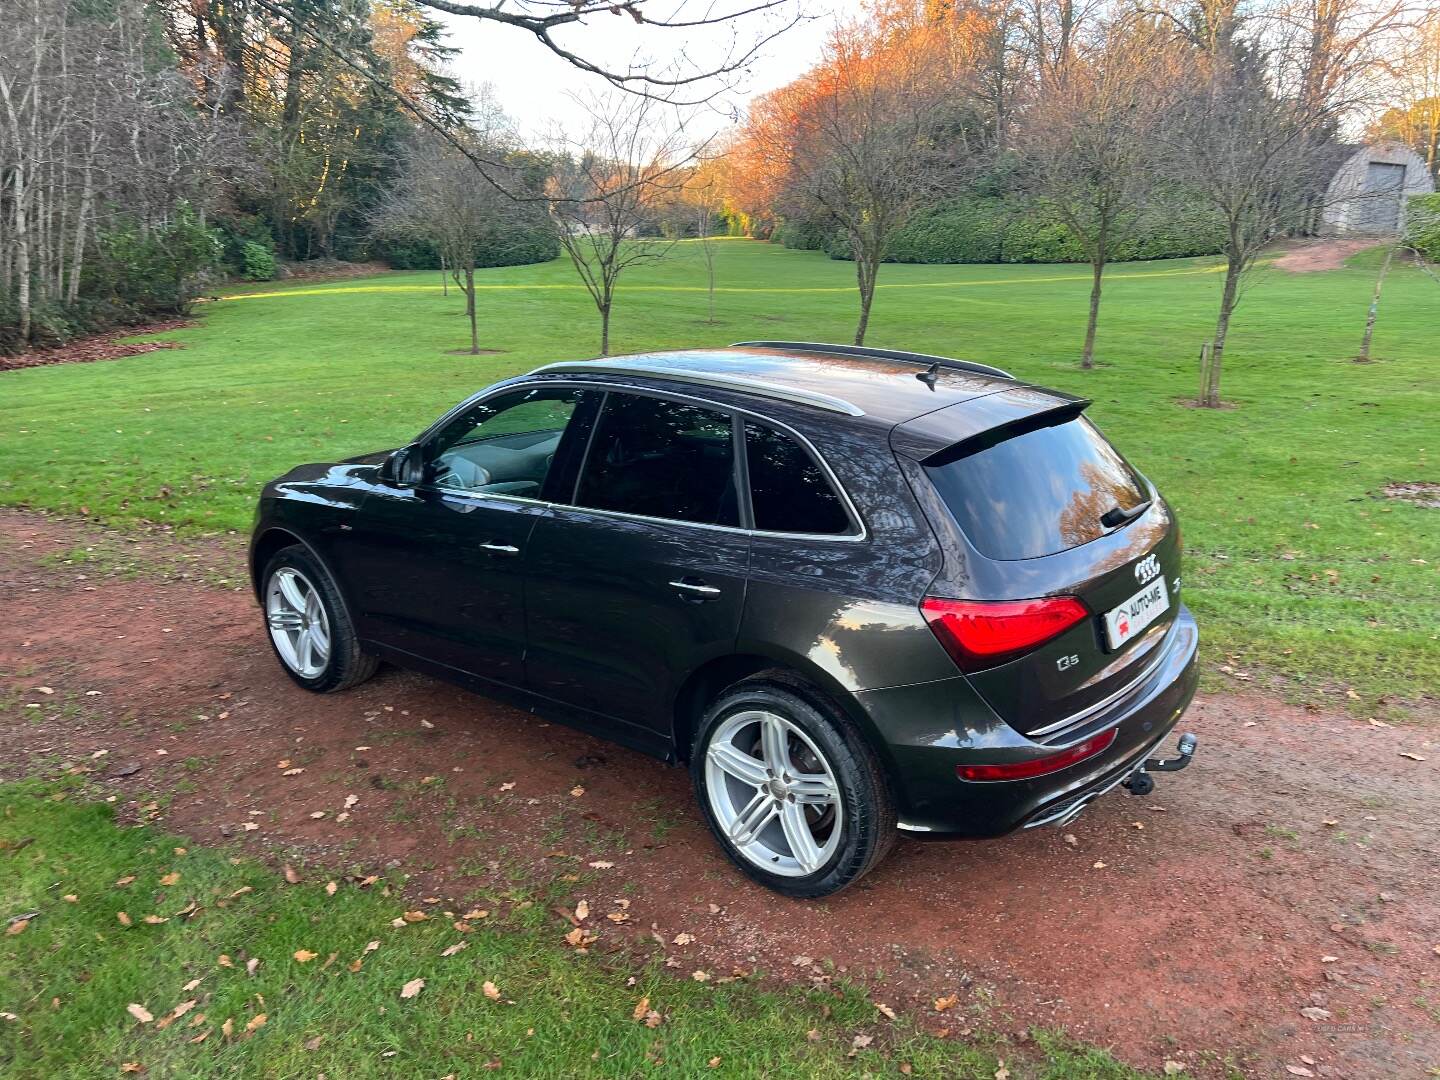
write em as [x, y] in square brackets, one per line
[788, 490]
[661, 459]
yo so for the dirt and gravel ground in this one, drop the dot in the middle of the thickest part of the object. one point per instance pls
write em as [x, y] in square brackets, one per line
[1306, 256]
[1273, 908]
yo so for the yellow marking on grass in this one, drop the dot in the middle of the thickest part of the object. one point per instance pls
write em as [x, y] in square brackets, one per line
[331, 290]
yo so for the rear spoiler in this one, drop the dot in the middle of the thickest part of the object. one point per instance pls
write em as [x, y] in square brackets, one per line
[942, 436]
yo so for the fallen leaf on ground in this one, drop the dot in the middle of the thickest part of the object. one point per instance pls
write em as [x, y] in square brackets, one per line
[139, 1012]
[1412, 757]
[490, 990]
[131, 1067]
[351, 800]
[1098, 866]
[453, 949]
[256, 1023]
[862, 1041]
[1173, 1068]
[291, 874]
[122, 918]
[17, 927]
[948, 1002]
[293, 772]
[1298, 1070]
[577, 791]
[304, 956]
[700, 976]
[154, 920]
[641, 1008]
[170, 878]
[582, 911]
[885, 1010]
[411, 988]
[508, 786]
[1312, 1012]
[600, 864]
[330, 888]
[683, 939]
[120, 883]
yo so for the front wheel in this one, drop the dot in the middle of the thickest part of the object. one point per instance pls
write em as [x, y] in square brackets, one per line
[792, 793]
[309, 627]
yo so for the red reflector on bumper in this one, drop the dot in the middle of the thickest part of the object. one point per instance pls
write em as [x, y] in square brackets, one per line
[1041, 766]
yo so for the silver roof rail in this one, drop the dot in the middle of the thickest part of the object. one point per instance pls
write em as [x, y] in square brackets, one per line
[746, 383]
[923, 359]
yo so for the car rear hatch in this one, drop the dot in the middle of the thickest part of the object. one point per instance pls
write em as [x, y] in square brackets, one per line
[1031, 503]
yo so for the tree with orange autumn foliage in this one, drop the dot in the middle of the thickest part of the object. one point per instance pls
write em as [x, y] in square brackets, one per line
[866, 138]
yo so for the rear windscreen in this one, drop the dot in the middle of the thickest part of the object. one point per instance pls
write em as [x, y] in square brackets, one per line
[1037, 492]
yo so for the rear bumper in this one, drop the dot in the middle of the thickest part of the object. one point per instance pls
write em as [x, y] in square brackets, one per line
[929, 729]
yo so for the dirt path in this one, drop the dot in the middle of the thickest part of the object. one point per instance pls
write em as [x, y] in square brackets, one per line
[1295, 866]
[1304, 256]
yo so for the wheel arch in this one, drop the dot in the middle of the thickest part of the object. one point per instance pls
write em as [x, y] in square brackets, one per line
[703, 685]
[276, 538]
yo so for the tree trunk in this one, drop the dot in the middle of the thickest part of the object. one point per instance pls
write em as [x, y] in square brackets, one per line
[866, 269]
[605, 327]
[1097, 268]
[1364, 356]
[470, 309]
[1222, 328]
[22, 252]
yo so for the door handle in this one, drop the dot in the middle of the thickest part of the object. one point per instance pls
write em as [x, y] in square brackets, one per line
[706, 591]
[501, 549]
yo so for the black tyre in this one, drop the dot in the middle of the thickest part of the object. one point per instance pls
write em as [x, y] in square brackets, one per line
[795, 797]
[308, 626]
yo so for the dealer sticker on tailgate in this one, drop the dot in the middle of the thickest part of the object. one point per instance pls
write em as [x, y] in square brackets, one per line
[1131, 617]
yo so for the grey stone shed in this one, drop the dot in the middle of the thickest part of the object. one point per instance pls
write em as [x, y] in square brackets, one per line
[1366, 195]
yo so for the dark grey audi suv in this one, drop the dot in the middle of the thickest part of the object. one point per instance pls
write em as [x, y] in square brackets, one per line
[858, 592]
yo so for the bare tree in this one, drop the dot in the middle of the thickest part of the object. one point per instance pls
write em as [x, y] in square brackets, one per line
[439, 195]
[1088, 151]
[94, 129]
[1251, 154]
[609, 183]
[681, 77]
[867, 138]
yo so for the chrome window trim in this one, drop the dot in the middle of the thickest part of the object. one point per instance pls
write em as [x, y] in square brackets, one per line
[707, 378]
[856, 521]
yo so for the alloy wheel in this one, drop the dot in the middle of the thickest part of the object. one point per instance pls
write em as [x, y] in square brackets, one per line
[773, 793]
[298, 624]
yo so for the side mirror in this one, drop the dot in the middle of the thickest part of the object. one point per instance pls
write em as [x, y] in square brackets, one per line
[404, 467]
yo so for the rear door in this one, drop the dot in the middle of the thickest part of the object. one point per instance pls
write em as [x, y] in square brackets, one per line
[642, 576]
[1043, 505]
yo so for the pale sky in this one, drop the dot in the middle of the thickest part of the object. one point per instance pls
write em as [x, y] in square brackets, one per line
[532, 83]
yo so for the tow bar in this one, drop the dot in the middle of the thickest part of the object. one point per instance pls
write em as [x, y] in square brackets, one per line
[1140, 782]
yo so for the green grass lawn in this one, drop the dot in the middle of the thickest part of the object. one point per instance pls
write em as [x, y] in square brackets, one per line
[1300, 571]
[69, 979]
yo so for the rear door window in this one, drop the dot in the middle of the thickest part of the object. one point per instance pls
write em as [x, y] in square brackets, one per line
[661, 459]
[789, 492]
[1037, 492]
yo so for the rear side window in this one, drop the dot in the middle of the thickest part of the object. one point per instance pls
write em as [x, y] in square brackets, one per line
[661, 459]
[1037, 492]
[788, 491]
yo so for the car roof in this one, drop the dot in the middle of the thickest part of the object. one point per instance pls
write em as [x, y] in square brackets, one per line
[837, 379]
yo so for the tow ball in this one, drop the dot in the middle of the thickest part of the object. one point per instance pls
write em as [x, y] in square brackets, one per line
[1140, 782]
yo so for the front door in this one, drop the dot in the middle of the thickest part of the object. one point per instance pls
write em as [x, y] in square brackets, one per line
[438, 567]
[643, 577]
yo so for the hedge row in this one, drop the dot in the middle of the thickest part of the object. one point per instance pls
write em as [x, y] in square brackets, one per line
[517, 246]
[993, 229]
[1422, 225]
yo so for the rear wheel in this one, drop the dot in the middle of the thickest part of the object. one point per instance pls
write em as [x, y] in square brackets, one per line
[309, 628]
[794, 796]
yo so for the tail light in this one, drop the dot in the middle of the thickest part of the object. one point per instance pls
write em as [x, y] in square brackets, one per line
[1041, 766]
[985, 633]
